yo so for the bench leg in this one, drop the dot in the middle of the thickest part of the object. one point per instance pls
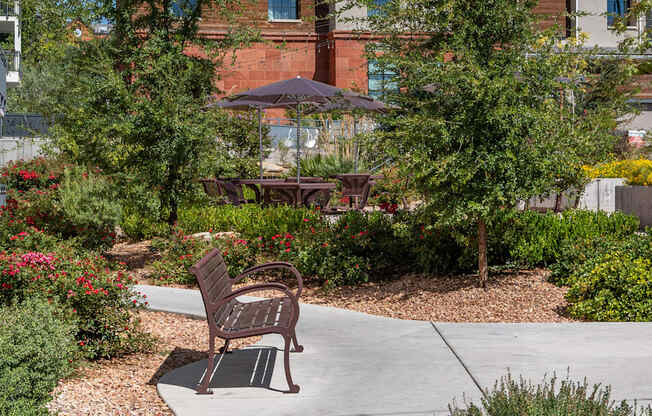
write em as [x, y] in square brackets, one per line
[297, 347]
[203, 387]
[225, 348]
[293, 387]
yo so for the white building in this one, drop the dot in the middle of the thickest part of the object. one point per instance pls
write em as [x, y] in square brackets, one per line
[597, 24]
[10, 61]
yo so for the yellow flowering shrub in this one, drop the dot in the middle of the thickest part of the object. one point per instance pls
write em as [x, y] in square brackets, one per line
[637, 172]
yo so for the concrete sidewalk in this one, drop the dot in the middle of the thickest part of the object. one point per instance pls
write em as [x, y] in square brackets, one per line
[359, 364]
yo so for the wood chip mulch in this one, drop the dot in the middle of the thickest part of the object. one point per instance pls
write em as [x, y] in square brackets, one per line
[510, 297]
[127, 385]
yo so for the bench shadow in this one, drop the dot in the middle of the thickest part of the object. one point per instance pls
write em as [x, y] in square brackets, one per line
[249, 367]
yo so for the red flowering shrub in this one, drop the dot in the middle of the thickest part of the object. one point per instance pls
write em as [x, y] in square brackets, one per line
[40, 173]
[62, 200]
[180, 252]
[100, 301]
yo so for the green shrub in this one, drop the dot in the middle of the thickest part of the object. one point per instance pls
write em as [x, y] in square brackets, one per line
[37, 348]
[531, 239]
[87, 205]
[614, 287]
[100, 301]
[141, 211]
[249, 221]
[40, 173]
[567, 398]
[573, 254]
[324, 166]
[63, 200]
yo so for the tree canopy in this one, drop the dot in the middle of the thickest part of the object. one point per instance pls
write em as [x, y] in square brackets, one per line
[494, 110]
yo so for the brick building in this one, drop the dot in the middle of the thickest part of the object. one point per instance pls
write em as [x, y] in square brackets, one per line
[298, 40]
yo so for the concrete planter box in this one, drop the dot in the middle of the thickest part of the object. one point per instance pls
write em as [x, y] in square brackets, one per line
[635, 200]
[598, 195]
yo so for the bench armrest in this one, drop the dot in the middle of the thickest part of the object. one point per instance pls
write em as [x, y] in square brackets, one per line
[274, 265]
[264, 286]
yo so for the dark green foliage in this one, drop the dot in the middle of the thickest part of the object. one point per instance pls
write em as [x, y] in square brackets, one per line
[552, 398]
[249, 221]
[37, 348]
[529, 239]
[87, 203]
[611, 281]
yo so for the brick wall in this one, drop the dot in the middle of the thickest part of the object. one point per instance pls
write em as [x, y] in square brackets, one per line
[348, 65]
[255, 14]
[553, 9]
[274, 60]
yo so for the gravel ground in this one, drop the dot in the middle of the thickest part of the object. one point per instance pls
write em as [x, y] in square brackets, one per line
[127, 386]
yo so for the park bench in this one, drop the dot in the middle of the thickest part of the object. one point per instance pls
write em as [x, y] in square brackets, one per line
[230, 319]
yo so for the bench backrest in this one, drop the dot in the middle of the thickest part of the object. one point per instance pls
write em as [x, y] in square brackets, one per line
[214, 282]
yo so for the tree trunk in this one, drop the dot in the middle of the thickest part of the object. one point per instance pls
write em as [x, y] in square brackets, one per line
[172, 218]
[558, 200]
[482, 253]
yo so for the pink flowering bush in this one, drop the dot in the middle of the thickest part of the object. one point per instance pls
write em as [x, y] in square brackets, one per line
[98, 300]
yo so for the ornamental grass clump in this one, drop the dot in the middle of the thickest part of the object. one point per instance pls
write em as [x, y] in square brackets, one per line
[552, 398]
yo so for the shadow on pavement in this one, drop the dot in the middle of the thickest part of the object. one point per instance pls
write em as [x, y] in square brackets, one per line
[249, 367]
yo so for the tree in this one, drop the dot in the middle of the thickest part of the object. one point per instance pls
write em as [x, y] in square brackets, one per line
[139, 96]
[511, 111]
[47, 32]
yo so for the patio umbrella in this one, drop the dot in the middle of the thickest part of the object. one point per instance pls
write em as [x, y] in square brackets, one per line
[292, 93]
[246, 105]
[354, 104]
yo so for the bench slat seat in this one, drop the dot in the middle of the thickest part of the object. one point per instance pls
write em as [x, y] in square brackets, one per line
[229, 319]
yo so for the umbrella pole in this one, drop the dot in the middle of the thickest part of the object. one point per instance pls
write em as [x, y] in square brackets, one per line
[355, 146]
[298, 143]
[260, 139]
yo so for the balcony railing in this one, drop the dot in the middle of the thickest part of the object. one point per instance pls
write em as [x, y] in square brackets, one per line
[12, 60]
[3, 85]
[9, 8]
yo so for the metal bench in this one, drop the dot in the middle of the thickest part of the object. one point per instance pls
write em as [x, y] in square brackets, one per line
[229, 319]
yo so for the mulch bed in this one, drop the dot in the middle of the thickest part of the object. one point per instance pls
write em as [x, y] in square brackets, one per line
[510, 297]
[127, 385]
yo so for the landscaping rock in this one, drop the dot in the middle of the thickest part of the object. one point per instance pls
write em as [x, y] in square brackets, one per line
[206, 236]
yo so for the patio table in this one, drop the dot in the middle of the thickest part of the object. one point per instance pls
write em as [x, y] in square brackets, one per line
[297, 194]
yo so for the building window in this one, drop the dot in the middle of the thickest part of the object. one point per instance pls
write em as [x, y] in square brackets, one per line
[376, 8]
[283, 9]
[380, 80]
[617, 8]
[183, 8]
